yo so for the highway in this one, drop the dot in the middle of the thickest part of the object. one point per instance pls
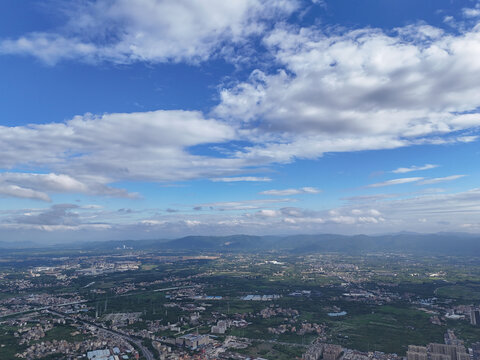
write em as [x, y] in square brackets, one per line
[145, 351]
[44, 308]
[89, 301]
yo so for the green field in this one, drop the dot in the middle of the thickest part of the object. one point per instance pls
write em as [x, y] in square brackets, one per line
[272, 351]
[8, 344]
[387, 328]
[62, 332]
[466, 292]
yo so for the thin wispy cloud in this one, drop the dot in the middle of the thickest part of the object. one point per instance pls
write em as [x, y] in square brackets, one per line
[243, 205]
[242, 178]
[395, 182]
[403, 170]
[369, 198]
[440, 179]
[287, 192]
[20, 192]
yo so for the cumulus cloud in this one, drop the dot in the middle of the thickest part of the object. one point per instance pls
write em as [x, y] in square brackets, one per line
[267, 213]
[334, 92]
[331, 91]
[266, 220]
[36, 186]
[59, 214]
[472, 12]
[288, 192]
[357, 90]
[58, 218]
[403, 170]
[125, 31]
[447, 212]
[308, 219]
[424, 213]
[89, 151]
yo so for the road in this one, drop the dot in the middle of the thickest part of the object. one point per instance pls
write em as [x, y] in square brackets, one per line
[145, 351]
[175, 288]
[89, 301]
[44, 308]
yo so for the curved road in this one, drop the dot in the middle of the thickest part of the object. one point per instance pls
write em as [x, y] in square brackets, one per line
[145, 351]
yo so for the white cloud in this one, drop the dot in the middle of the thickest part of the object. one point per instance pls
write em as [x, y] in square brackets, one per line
[242, 178]
[267, 213]
[357, 90]
[395, 182]
[88, 152]
[403, 170]
[440, 179]
[20, 192]
[288, 192]
[36, 186]
[92, 207]
[243, 205]
[334, 92]
[472, 12]
[369, 198]
[424, 213]
[454, 208]
[56, 228]
[47, 182]
[59, 217]
[467, 139]
[125, 31]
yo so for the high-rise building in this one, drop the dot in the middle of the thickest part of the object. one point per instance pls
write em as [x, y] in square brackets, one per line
[417, 353]
[220, 328]
[476, 351]
[447, 352]
[332, 352]
[314, 352]
[463, 356]
[434, 356]
[438, 352]
[475, 317]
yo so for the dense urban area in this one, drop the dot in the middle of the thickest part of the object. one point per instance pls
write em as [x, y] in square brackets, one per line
[127, 303]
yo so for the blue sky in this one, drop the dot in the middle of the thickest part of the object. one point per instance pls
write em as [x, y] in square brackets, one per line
[156, 119]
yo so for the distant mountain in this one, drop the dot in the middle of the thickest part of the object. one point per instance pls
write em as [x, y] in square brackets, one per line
[234, 242]
[438, 244]
[413, 243]
[18, 245]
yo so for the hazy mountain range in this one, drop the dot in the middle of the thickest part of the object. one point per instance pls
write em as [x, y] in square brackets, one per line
[438, 244]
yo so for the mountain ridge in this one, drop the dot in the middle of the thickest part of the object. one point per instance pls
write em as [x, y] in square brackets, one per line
[439, 243]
